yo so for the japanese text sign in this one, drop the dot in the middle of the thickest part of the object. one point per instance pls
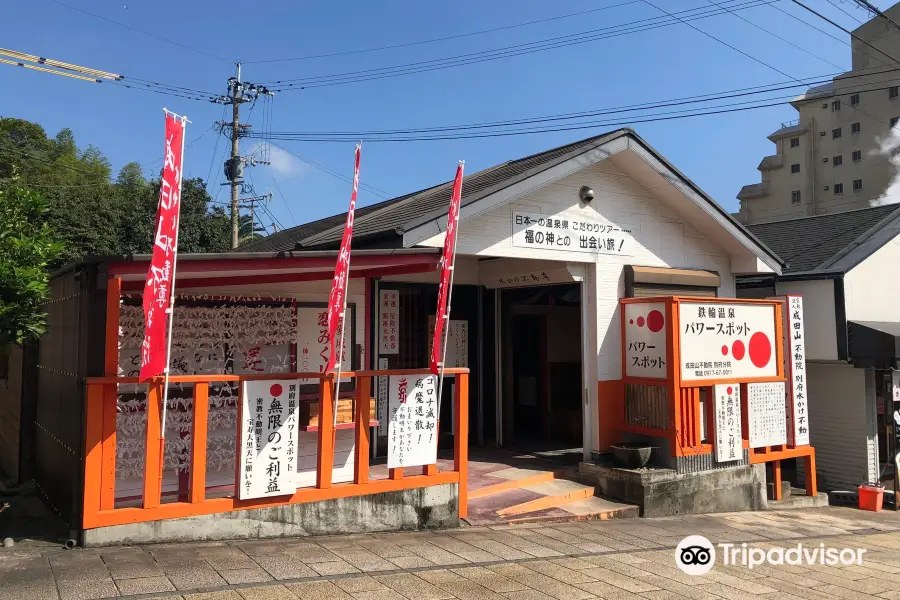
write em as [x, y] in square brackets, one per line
[570, 234]
[448, 257]
[337, 299]
[795, 358]
[313, 344]
[456, 340]
[268, 439]
[412, 429]
[726, 340]
[728, 422]
[766, 414]
[389, 327]
[645, 340]
[160, 277]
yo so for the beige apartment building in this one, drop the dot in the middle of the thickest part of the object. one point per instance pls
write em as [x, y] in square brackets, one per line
[837, 155]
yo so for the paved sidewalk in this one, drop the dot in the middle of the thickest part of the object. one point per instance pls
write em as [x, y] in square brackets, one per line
[613, 560]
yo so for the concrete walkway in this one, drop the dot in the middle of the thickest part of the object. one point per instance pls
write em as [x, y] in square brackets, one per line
[614, 560]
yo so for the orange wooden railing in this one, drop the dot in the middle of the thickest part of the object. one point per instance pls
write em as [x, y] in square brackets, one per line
[100, 450]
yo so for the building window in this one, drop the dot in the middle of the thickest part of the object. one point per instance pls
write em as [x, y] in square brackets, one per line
[795, 142]
[894, 121]
[836, 106]
[795, 168]
[838, 189]
[857, 185]
[835, 133]
[893, 91]
[795, 197]
[837, 160]
[857, 155]
[854, 99]
[854, 128]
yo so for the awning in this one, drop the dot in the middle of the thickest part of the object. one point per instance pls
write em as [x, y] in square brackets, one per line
[874, 343]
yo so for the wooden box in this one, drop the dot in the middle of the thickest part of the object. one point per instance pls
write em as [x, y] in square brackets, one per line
[308, 412]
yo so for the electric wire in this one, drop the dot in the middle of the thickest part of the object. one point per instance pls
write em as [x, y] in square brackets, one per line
[837, 6]
[845, 30]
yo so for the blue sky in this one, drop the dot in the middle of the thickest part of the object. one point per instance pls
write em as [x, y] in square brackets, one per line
[719, 153]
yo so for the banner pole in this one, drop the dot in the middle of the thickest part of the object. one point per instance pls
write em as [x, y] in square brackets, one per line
[445, 325]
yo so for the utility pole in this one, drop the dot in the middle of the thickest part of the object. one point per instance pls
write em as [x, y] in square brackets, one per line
[239, 92]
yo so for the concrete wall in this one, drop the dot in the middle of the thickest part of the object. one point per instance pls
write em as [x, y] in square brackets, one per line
[871, 288]
[435, 506]
[818, 316]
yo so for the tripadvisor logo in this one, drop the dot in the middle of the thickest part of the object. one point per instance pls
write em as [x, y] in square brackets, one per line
[696, 555]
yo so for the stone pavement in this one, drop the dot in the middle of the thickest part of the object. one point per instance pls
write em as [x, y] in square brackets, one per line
[613, 560]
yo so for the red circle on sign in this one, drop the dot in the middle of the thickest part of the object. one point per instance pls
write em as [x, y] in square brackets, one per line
[724, 350]
[655, 321]
[640, 321]
[729, 390]
[276, 389]
[738, 350]
[631, 321]
[760, 349]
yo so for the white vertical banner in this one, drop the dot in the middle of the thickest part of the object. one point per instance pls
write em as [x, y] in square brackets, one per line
[389, 322]
[412, 429]
[728, 422]
[795, 357]
[268, 439]
[766, 414]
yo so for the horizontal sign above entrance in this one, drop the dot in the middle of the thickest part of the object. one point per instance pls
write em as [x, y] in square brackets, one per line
[570, 234]
[724, 340]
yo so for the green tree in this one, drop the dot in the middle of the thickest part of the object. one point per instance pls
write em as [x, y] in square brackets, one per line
[27, 248]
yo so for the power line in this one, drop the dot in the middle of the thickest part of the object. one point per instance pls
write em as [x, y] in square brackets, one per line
[280, 193]
[868, 5]
[505, 52]
[837, 6]
[371, 189]
[141, 31]
[445, 38]
[845, 30]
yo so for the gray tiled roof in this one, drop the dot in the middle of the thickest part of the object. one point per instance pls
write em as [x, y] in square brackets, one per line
[810, 243]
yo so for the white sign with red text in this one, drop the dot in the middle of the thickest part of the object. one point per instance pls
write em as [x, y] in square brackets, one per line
[795, 359]
[645, 340]
[569, 233]
[312, 341]
[726, 340]
[766, 414]
[268, 439]
[389, 328]
[412, 429]
[728, 422]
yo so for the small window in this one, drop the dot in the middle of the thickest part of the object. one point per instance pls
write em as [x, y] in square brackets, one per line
[854, 99]
[795, 197]
[795, 168]
[854, 128]
[837, 160]
[838, 189]
[835, 133]
[893, 91]
[836, 106]
[795, 142]
[857, 185]
[857, 155]
[894, 121]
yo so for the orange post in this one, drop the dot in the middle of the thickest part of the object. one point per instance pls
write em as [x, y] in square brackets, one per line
[461, 440]
[809, 467]
[396, 473]
[429, 470]
[93, 457]
[325, 460]
[197, 491]
[153, 452]
[776, 479]
[363, 416]
[110, 395]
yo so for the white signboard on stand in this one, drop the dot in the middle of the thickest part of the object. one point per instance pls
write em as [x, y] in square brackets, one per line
[312, 341]
[795, 359]
[645, 340]
[389, 322]
[723, 340]
[766, 414]
[728, 422]
[268, 442]
[412, 429]
[569, 233]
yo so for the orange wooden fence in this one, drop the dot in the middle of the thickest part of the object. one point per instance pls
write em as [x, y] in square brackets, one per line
[100, 450]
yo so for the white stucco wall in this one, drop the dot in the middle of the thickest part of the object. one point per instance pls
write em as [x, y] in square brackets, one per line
[818, 316]
[872, 288]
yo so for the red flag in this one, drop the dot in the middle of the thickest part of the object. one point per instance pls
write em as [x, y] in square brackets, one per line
[158, 289]
[447, 259]
[338, 297]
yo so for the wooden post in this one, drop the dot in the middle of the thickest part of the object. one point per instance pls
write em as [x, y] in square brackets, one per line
[325, 459]
[776, 479]
[153, 451]
[461, 440]
[396, 473]
[93, 455]
[197, 490]
[363, 417]
[110, 395]
[809, 467]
